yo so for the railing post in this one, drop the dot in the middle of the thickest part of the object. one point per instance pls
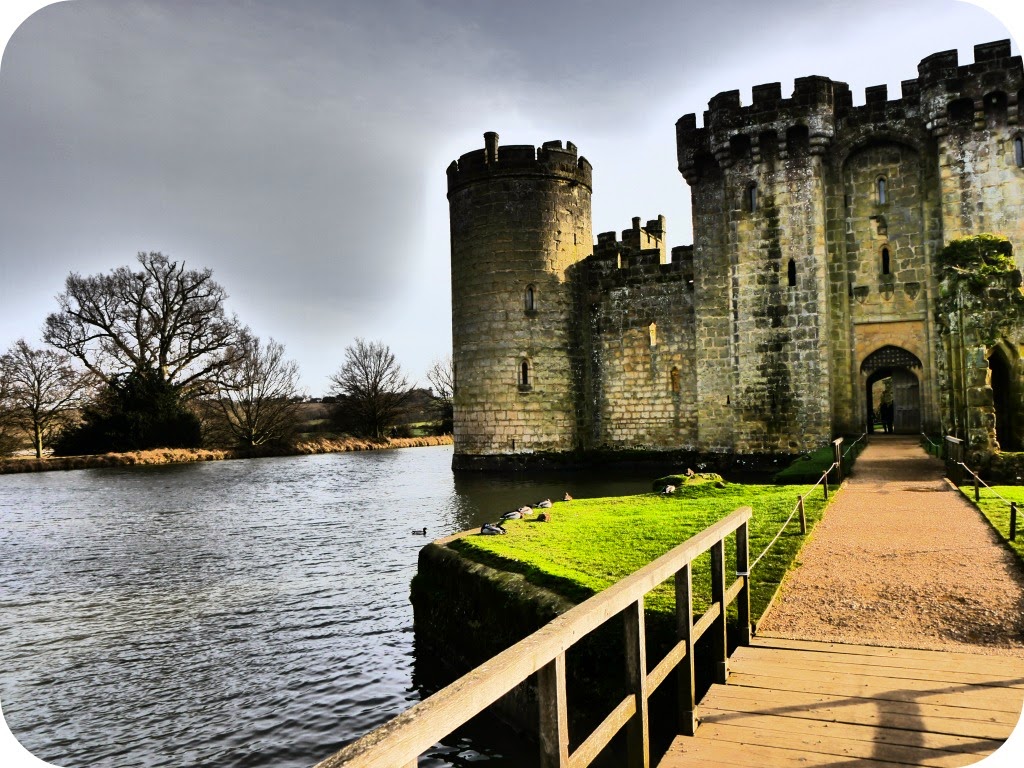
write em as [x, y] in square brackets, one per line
[977, 489]
[1013, 521]
[803, 517]
[684, 633]
[838, 445]
[554, 715]
[719, 641]
[824, 482]
[637, 732]
[743, 571]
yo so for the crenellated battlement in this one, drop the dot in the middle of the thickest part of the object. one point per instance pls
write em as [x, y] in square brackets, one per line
[944, 94]
[550, 160]
[640, 256]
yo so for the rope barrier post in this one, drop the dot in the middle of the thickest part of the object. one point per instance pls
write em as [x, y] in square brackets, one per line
[803, 518]
[1013, 521]
[977, 490]
[837, 444]
[824, 480]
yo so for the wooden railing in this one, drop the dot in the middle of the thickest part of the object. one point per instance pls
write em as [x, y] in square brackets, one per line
[400, 742]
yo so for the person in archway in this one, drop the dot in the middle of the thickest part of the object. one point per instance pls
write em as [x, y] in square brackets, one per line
[887, 420]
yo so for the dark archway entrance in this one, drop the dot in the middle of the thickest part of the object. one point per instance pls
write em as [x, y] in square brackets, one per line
[892, 390]
[1002, 399]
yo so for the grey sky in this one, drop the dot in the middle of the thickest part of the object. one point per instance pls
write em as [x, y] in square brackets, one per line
[298, 148]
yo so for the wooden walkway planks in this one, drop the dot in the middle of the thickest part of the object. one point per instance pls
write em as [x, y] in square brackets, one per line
[803, 703]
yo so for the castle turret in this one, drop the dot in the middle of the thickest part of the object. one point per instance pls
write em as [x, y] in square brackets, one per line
[520, 218]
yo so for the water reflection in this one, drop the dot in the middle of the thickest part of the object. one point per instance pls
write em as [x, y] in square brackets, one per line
[241, 613]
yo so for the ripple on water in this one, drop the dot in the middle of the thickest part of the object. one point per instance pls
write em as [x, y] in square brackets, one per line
[242, 613]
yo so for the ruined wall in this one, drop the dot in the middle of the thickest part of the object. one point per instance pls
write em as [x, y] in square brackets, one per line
[520, 218]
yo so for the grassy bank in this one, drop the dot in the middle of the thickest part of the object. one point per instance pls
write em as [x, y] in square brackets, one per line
[997, 511]
[190, 455]
[592, 543]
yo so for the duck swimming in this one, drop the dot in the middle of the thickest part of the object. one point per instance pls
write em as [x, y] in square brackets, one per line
[418, 532]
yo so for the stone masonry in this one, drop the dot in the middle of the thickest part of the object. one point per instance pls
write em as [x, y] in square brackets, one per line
[815, 229]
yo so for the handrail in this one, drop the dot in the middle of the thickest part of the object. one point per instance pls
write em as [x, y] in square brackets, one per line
[399, 742]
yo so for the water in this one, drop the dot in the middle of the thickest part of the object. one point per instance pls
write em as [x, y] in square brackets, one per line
[237, 613]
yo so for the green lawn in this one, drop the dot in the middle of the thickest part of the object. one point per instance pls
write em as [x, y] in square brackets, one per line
[592, 543]
[998, 511]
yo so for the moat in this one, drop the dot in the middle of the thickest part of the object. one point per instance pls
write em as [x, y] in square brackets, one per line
[243, 613]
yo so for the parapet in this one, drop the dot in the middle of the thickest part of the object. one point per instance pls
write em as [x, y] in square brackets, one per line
[822, 107]
[551, 160]
[640, 256]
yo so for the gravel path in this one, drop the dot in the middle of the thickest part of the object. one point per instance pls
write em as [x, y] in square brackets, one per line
[901, 559]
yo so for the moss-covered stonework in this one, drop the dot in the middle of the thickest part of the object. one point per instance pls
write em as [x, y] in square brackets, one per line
[812, 274]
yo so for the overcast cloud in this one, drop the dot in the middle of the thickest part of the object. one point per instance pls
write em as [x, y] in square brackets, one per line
[298, 149]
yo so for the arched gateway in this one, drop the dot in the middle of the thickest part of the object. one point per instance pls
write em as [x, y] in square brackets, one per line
[893, 388]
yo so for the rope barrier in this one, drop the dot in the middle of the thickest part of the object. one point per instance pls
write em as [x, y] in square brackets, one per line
[788, 519]
[977, 477]
[847, 451]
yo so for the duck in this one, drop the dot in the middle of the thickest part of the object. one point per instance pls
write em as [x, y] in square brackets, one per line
[492, 529]
[419, 531]
[517, 514]
[544, 517]
[668, 489]
[545, 504]
[567, 497]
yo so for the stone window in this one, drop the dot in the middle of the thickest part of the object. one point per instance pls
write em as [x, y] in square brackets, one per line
[961, 111]
[652, 329]
[1018, 151]
[674, 379]
[525, 375]
[739, 147]
[752, 196]
[791, 272]
[886, 263]
[880, 188]
[530, 299]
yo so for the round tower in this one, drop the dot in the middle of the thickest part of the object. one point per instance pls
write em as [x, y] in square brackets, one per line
[520, 220]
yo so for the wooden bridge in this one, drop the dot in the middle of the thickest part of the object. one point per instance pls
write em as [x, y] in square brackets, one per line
[775, 702]
[799, 703]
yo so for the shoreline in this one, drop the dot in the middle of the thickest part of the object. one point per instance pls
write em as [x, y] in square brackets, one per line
[160, 456]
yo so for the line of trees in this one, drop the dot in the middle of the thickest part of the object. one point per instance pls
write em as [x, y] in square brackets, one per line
[148, 357]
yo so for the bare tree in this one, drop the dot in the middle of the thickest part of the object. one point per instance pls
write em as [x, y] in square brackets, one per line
[371, 387]
[258, 391]
[8, 429]
[43, 387]
[441, 376]
[162, 319]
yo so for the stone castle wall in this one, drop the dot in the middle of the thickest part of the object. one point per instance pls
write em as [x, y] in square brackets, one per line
[816, 227]
[520, 218]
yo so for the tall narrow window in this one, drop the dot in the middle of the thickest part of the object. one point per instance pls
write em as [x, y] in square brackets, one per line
[792, 272]
[1018, 151]
[885, 261]
[652, 329]
[524, 374]
[674, 379]
[881, 191]
[529, 299]
[752, 197]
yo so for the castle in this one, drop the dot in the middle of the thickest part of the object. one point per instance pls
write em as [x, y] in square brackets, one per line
[812, 277]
